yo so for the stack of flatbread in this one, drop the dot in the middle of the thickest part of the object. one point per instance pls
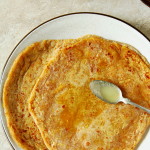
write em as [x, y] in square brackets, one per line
[49, 106]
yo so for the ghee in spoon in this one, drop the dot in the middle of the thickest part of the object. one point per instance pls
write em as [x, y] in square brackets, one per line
[105, 91]
[109, 93]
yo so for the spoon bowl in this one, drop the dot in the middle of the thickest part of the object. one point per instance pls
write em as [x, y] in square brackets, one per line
[106, 91]
[110, 93]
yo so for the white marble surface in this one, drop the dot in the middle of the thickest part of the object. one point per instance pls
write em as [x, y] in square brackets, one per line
[18, 17]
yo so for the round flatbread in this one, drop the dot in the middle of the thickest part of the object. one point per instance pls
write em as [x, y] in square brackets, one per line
[70, 117]
[20, 81]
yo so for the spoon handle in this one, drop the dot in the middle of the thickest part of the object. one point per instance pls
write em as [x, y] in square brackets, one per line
[136, 105]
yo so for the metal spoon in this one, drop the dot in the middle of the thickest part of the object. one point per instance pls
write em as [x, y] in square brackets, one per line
[111, 93]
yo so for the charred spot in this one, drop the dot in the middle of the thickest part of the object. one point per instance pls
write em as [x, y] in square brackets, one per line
[90, 43]
[88, 143]
[108, 54]
[23, 141]
[37, 90]
[66, 129]
[130, 69]
[24, 130]
[92, 68]
[63, 106]
[32, 107]
[141, 121]
[147, 75]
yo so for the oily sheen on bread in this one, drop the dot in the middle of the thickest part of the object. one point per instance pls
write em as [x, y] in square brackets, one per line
[20, 81]
[70, 117]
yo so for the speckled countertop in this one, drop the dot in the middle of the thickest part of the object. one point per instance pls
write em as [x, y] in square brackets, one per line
[18, 17]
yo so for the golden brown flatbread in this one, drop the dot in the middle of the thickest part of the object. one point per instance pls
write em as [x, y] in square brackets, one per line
[70, 117]
[18, 86]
